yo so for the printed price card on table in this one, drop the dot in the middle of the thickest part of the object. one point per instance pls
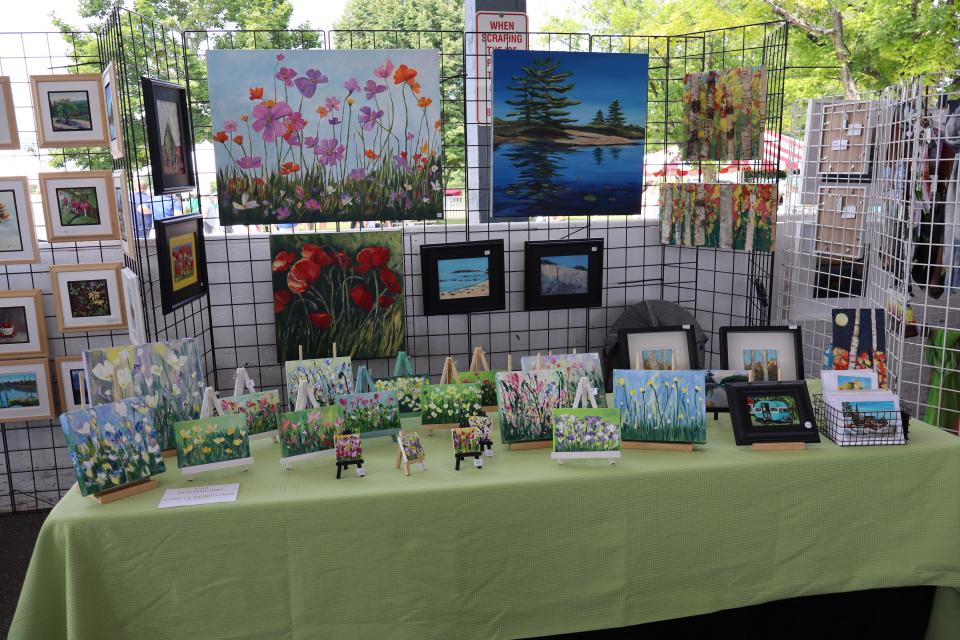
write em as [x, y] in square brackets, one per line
[191, 496]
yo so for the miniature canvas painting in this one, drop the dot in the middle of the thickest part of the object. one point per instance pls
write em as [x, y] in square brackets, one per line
[410, 446]
[261, 410]
[466, 440]
[525, 400]
[370, 412]
[349, 447]
[407, 390]
[328, 377]
[661, 406]
[483, 424]
[572, 367]
[488, 385]
[210, 440]
[308, 431]
[586, 431]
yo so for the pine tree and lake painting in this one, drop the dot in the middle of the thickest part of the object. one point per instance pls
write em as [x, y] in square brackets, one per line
[569, 131]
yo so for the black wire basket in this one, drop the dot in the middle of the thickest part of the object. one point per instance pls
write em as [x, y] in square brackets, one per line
[849, 427]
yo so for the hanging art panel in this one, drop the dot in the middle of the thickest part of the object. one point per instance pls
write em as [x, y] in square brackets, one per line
[724, 113]
[318, 136]
[725, 216]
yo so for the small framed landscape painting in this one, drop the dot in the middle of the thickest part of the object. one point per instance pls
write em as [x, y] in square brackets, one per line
[661, 406]
[168, 134]
[79, 205]
[182, 261]
[88, 297]
[769, 353]
[25, 391]
[23, 331]
[69, 374]
[69, 110]
[462, 277]
[18, 239]
[659, 349]
[562, 274]
[111, 101]
[771, 412]
[716, 391]
[9, 138]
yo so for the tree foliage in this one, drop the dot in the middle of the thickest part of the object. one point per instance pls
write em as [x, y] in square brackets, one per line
[540, 94]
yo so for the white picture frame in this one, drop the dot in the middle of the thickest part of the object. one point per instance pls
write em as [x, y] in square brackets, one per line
[785, 341]
[9, 137]
[65, 368]
[65, 192]
[136, 323]
[85, 122]
[18, 237]
[35, 371]
[104, 279]
[111, 104]
[128, 239]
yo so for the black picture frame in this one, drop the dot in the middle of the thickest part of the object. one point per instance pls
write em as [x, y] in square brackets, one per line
[746, 432]
[534, 252]
[167, 229]
[797, 341]
[430, 257]
[623, 344]
[163, 182]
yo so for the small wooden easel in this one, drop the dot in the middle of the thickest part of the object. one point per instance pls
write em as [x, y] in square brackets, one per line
[478, 363]
[686, 447]
[449, 375]
[402, 457]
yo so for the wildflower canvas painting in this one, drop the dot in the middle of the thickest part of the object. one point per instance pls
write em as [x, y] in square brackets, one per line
[450, 404]
[525, 399]
[466, 440]
[410, 446]
[488, 385]
[343, 288]
[371, 412]
[572, 367]
[349, 447]
[407, 389]
[261, 410]
[661, 406]
[328, 377]
[316, 136]
[726, 216]
[586, 430]
[168, 375]
[308, 431]
[112, 444]
[211, 440]
[724, 114]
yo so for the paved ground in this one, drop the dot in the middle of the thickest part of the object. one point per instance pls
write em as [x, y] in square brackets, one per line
[18, 533]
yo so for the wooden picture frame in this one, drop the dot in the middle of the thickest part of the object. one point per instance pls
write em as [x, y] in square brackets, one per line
[841, 212]
[104, 280]
[128, 238]
[9, 136]
[21, 314]
[786, 338]
[660, 339]
[18, 237]
[183, 230]
[111, 103]
[762, 412]
[69, 193]
[88, 128]
[470, 257]
[38, 370]
[159, 98]
[563, 291]
[70, 396]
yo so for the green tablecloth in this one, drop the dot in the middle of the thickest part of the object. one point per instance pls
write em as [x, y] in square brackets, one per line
[524, 547]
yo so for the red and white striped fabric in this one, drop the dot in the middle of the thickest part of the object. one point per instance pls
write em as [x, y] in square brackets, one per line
[791, 151]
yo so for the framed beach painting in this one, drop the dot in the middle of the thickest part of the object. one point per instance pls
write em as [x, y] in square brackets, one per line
[327, 377]
[462, 277]
[121, 197]
[18, 239]
[9, 137]
[568, 133]
[661, 406]
[23, 330]
[572, 367]
[182, 261]
[659, 348]
[338, 288]
[326, 135]
[136, 322]
[524, 400]
[25, 390]
[79, 205]
[562, 274]
[69, 375]
[111, 101]
[69, 110]
[769, 353]
[772, 412]
[724, 113]
[168, 135]
[88, 297]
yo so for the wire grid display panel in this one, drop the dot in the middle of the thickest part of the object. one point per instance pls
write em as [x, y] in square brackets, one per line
[35, 469]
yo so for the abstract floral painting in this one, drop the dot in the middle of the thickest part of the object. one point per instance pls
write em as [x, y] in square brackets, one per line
[308, 431]
[411, 446]
[212, 439]
[484, 424]
[572, 367]
[328, 377]
[348, 446]
[407, 389]
[466, 440]
[370, 412]
[488, 385]
[343, 288]
[661, 406]
[315, 136]
[726, 216]
[723, 114]
[261, 410]
[525, 399]
[112, 444]
[168, 375]
[446, 404]
[586, 430]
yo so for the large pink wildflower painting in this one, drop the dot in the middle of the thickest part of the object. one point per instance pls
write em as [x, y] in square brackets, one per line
[318, 136]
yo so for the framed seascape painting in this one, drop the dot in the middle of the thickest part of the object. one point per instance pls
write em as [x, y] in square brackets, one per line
[69, 374]
[23, 330]
[308, 432]
[121, 196]
[112, 445]
[338, 288]
[525, 399]
[69, 110]
[462, 277]
[168, 374]
[319, 136]
[88, 297]
[111, 101]
[182, 261]
[572, 367]
[168, 135]
[661, 406]
[136, 322]
[18, 239]
[9, 137]
[327, 377]
[724, 113]
[568, 133]
[726, 216]
[25, 391]
[771, 412]
[561, 274]
[716, 381]
[79, 205]
[659, 348]
[769, 353]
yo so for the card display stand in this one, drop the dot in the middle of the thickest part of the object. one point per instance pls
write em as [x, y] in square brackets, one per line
[846, 139]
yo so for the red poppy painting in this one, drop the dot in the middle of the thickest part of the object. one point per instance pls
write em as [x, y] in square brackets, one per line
[343, 288]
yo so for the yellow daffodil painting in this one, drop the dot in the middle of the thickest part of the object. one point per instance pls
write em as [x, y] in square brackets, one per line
[724, 113]
[407, 389]
[572, 367]
[661, 406]
[212, 439]
[450, 403]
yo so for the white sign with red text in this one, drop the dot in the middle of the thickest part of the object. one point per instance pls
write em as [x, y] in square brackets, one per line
[495, 30]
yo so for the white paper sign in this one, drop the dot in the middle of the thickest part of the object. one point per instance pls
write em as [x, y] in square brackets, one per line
[849, 212]
[839, 145]
[855, 129]
[191, 496]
